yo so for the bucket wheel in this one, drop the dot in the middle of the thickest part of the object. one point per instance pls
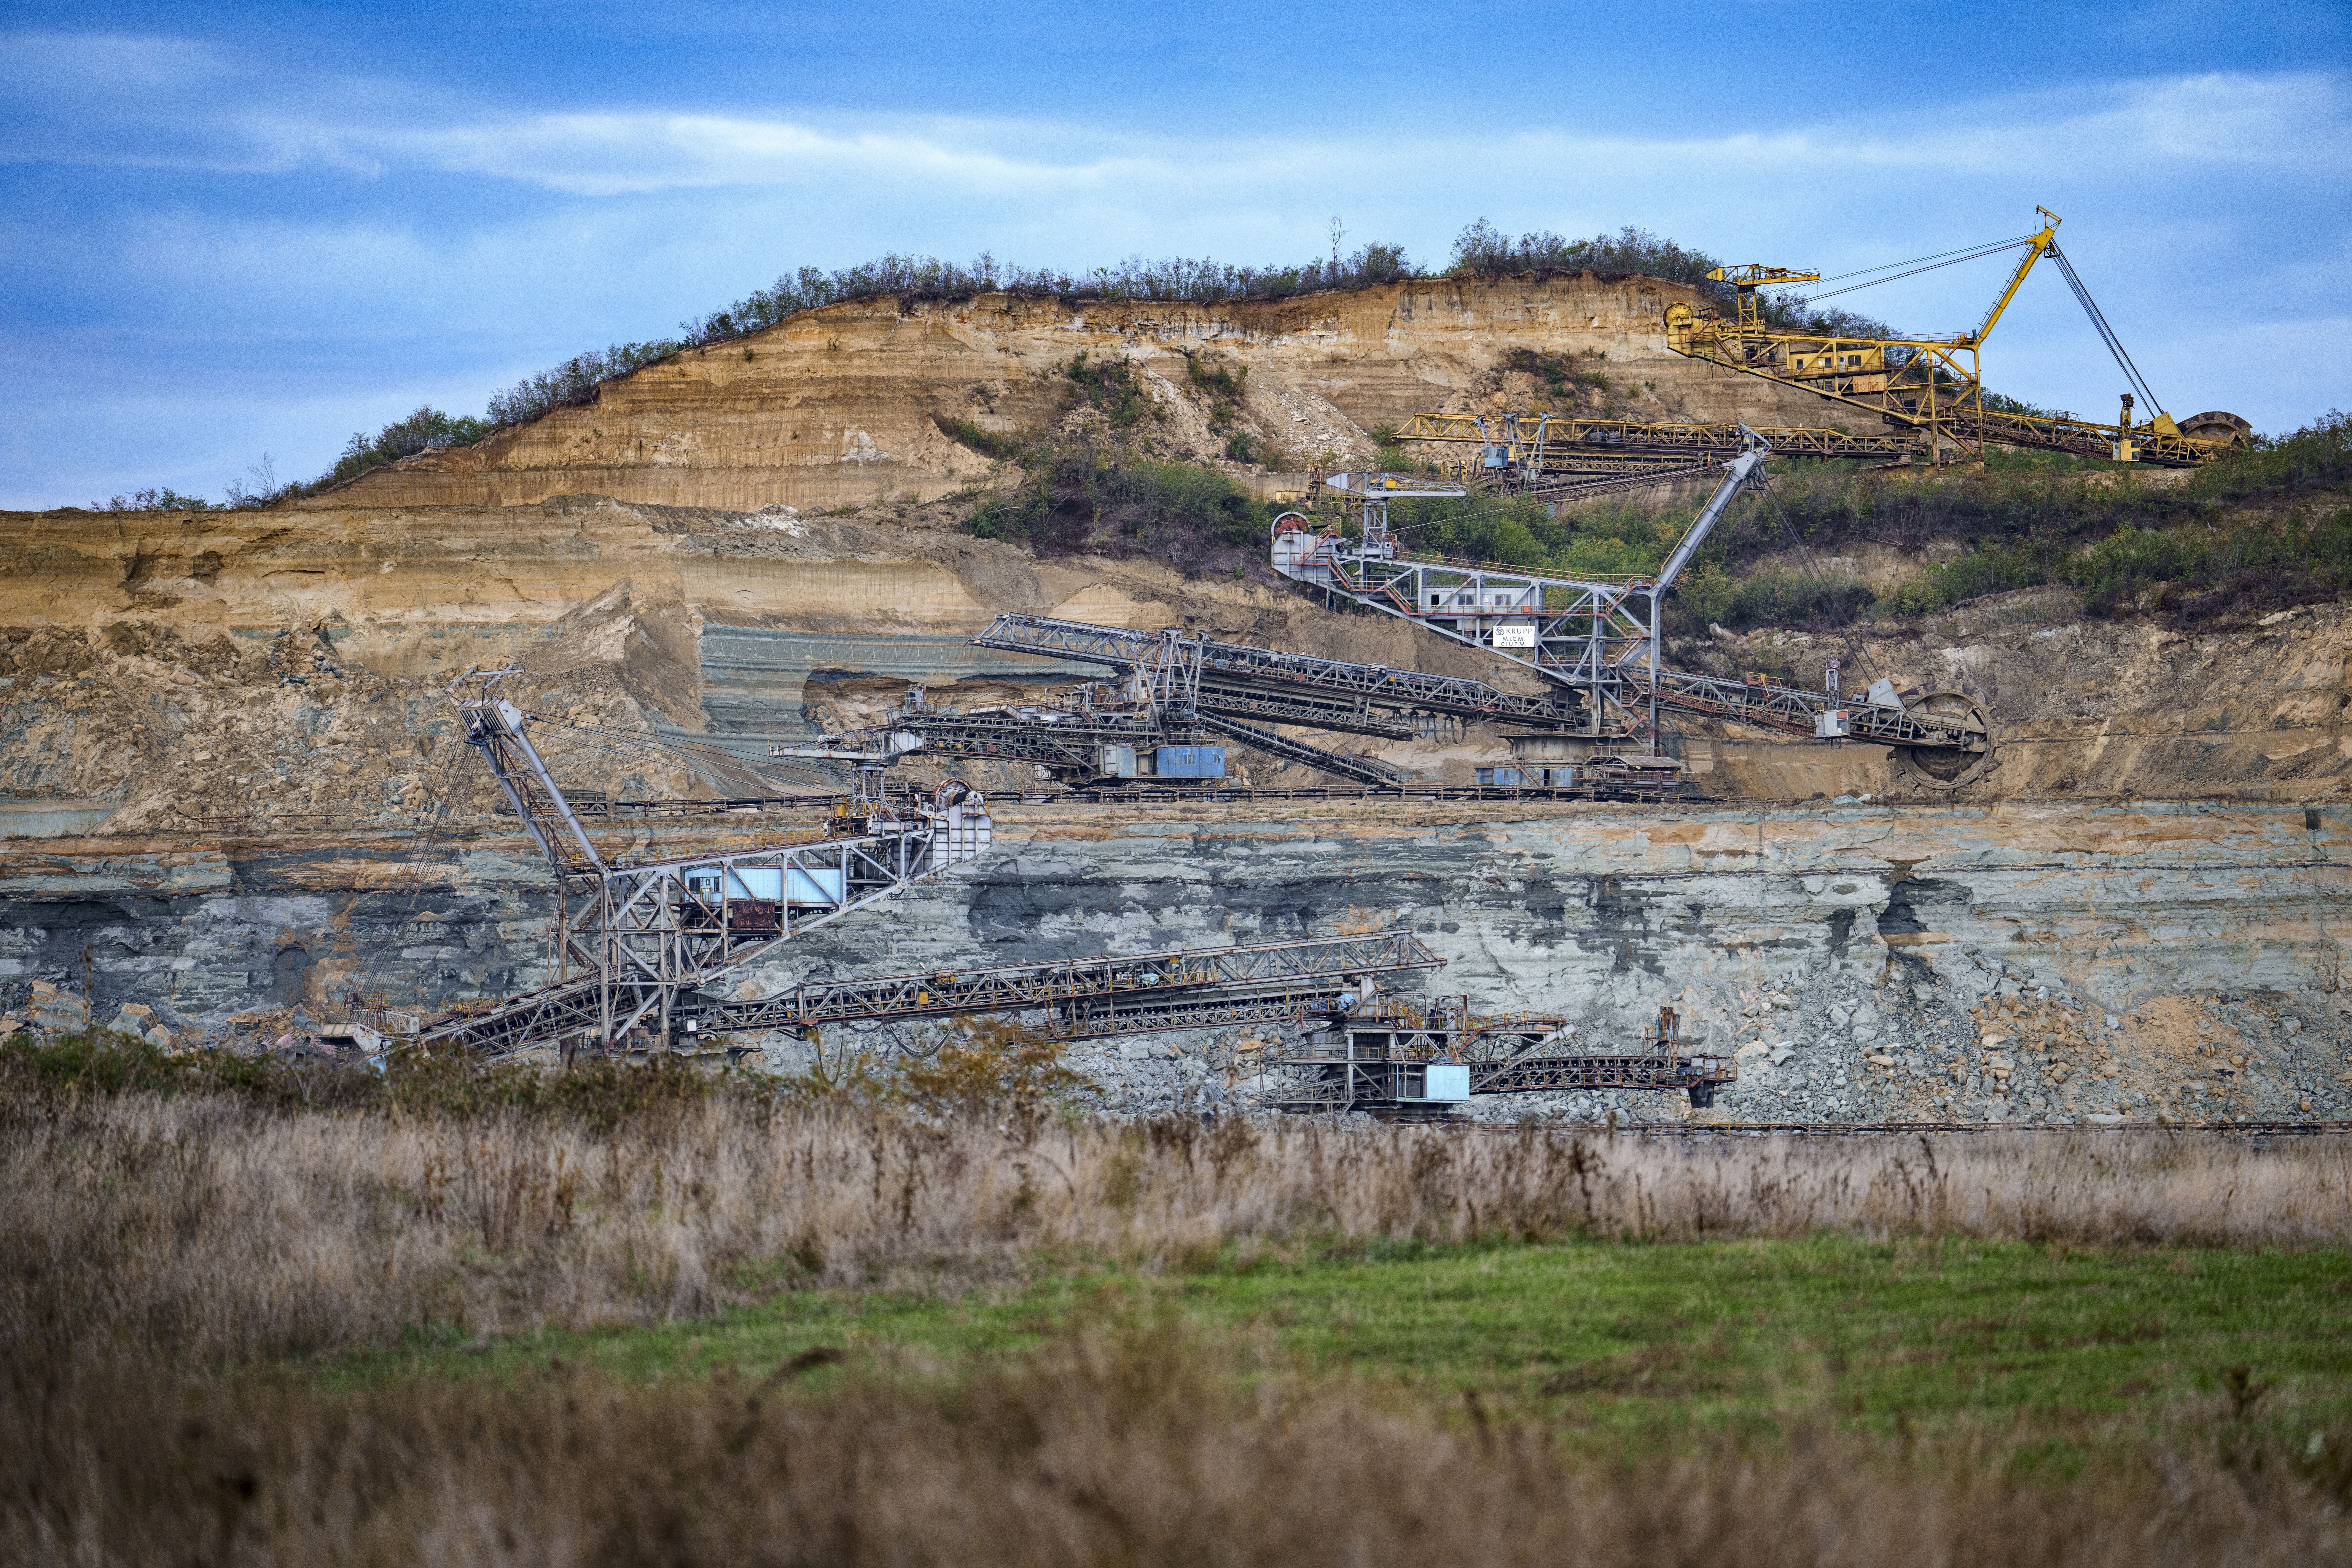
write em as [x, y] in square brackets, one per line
[1952, 767]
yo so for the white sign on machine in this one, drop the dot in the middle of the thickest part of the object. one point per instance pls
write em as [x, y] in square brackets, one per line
[1447, 1081]
[1516, 633]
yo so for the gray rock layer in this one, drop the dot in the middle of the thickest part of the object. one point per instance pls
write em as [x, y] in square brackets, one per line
[2031, 963]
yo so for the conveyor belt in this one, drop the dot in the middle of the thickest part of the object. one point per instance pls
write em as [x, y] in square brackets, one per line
[1235, 664]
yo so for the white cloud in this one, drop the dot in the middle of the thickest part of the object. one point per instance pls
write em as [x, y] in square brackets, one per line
[173, 102]
[2207, 212]
[2202, 123]
[89, 65]
[616, 154]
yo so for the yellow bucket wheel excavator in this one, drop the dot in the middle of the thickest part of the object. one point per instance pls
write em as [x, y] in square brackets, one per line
[1934, 384]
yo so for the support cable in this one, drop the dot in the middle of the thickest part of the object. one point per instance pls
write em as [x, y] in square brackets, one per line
[1805, 558]
[1529, 496]
[1913, 272]
[1965, 253]
[2107, 333]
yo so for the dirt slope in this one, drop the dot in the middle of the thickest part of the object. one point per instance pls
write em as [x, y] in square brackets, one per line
[841, 407]
[231, 791]
[158, 667]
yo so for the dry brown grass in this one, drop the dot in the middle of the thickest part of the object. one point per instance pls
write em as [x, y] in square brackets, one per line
[210, 1229]
[1126, 1447]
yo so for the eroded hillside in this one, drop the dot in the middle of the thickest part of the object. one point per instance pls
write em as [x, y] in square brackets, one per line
[231, 787]
[166, 669]
[227, 736]
[853, 404]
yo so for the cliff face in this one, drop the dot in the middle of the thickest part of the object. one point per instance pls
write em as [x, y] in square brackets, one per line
[160, 668]
[1942, 963]
[228, 769]
[841, 407]
[230, 785]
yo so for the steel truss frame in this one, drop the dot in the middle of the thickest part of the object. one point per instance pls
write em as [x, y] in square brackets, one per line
[1534, 446]
[1239, 666]
[1065, 743]
[647, 933]
[1382, 1054]
[1581, 634]
[1599, 637]
[1932, 384]
[1078, 994]
[1538, 443]
[1165, 700]
[1067, 739]
[1799, 712]
[1363, 770]
[1256, 983]
[1354, 716]
[1070, 744]
[656, 935]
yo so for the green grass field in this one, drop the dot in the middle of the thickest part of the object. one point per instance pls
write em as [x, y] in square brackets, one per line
[1693, 1338]
[871, 1337]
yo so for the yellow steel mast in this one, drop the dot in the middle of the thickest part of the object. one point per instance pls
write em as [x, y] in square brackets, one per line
[1934, 384]
[2034, 250]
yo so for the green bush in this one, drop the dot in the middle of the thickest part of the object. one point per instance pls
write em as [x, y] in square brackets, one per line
[1197, 279]
[575, 380]
[155, 497]
[1110, 386]
[2126, 540]
[2316, 458]
[989, 443]
[1783, 599]
[1222, 379]
[1483, 250]
[2199, 569]
[1994, 568]
[1026, 517]
[427, 428]
[1610, 540]
[1194, 519]
[2189, 570]
[1558, 372]
[1998, 404]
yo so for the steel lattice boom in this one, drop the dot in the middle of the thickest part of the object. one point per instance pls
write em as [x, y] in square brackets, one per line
[1600, 638]
[1534, 446]
[1162, 698]
[1394, 1058]
[643, 934]
[1256, 983]
[660, 941]
[1241, 669]
[1088, 995]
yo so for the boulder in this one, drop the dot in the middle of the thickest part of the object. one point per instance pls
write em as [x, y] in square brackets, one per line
[55, 1010]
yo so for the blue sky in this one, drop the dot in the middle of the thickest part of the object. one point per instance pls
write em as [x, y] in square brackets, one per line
[244, 228]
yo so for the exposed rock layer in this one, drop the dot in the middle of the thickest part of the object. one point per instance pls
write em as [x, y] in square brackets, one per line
[843, 405]
[1978, 952]
[165, 668]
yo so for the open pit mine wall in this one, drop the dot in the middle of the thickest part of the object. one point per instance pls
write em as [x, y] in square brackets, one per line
[186, 671]
[844, 405]
[1861, 955]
